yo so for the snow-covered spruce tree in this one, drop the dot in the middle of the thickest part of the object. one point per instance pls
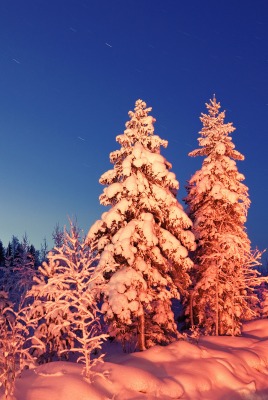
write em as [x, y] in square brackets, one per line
[224, 275]
[23, 269]
[144, 238]
[16, 276]
[65, 303]
[52, 328]
[15, 335]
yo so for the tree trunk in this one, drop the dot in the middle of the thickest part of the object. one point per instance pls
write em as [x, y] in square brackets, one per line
[233, 311]
[141, 333]
[191, 309]
[217, 307]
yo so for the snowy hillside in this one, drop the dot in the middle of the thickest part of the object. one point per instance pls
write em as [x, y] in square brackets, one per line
[222, 368]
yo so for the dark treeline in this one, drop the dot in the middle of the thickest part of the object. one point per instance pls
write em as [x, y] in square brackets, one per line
[24, 250]
[17, 249]
[19, 263]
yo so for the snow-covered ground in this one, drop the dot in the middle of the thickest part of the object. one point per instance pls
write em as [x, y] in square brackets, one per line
[215, 368]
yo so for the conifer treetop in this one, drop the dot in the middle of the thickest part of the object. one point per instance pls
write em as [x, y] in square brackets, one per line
[138, 129]
[215, 139]
[139, 146]
[219, 178]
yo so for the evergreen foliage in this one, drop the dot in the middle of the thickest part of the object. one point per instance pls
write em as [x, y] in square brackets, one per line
[58, 236]
[2, 254]
[65, 303]
[19, 268]
[143, 239]
[15, 335]
[224, 275]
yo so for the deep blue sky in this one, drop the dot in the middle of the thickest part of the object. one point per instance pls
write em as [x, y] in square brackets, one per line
[72, 69]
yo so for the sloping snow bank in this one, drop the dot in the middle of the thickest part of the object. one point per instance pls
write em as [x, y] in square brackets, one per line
[215, 368]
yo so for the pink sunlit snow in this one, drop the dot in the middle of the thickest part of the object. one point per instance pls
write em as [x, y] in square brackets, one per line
[221, 368]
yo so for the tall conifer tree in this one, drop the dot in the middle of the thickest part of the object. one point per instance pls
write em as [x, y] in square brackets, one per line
[143, 239]
[218, 203]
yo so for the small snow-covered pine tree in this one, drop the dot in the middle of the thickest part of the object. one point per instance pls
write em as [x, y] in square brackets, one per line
[65, 303]
[52, 329]
[218, 202]
[143, 239]
[15, 335]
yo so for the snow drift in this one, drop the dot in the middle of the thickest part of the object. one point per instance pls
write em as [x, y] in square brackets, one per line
[221, 368]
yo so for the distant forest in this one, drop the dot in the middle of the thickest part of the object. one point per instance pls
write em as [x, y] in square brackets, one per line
[20, 252]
